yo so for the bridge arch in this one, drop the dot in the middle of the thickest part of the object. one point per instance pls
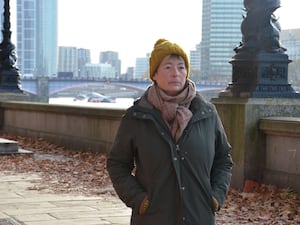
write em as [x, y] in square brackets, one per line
[56, 85]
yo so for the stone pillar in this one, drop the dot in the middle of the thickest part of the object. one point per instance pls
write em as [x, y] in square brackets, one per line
[240, 117]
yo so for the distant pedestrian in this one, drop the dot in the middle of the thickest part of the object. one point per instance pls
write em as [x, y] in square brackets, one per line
[170, 161]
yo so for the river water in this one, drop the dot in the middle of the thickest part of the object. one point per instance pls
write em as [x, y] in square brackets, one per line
[120, 103]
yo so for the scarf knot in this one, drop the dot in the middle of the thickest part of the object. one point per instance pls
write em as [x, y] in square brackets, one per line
[175, 109]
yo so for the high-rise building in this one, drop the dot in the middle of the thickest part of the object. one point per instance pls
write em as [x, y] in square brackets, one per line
[112, 58]
[129, 73]
[84, 57]
[142, 67]
[37, 37]
[68, 61]
[221, 33]
[195, 63]
[290, 40]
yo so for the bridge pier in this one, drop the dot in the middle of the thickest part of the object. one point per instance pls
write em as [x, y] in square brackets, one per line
[43, 89]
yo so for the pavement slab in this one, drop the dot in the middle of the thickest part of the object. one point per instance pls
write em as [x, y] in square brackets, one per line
[25, 206]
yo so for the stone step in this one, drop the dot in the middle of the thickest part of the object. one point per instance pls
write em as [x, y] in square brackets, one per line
[8, 146]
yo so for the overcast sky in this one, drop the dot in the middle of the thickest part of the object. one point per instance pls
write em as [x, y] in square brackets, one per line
[131, 27]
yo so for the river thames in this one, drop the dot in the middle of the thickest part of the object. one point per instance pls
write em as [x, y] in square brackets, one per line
[120, 103]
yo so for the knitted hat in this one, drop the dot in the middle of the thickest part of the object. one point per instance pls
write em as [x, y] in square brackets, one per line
[161, 49]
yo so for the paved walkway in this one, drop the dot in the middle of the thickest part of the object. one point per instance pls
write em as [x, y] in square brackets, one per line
[20, 202]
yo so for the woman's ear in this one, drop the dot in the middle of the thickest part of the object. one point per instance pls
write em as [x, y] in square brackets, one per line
[154, 76]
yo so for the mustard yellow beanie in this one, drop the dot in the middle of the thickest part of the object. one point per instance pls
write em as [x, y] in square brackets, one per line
[161, 49]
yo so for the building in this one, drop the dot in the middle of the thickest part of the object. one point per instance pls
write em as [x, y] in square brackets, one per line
[290, 39]
[141, 67]
[37, 37]
[195, 63]
[129, 73]
[84, 57]
[73, 60]
[101, 71]
[112, 58]
[221, 33]
[68, 60]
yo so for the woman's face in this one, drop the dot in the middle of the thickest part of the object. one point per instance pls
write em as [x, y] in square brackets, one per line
[171, 74]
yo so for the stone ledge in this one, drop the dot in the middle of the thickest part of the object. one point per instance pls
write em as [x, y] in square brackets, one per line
[286, 126]
[10, 147]
[61, 109]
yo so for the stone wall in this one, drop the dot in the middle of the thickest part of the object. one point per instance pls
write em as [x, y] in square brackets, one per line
[264, 149]
[240, 117]
[282, 135]
[78, 128]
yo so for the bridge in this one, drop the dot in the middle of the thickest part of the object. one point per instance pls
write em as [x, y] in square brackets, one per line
[57, 85]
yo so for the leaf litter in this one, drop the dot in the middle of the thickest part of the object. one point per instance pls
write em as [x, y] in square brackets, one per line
[67, 171]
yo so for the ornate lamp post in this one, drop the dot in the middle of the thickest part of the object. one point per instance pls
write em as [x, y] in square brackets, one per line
[260, 66]
[9, 73]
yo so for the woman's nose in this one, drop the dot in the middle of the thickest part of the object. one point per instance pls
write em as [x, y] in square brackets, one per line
[175, 71]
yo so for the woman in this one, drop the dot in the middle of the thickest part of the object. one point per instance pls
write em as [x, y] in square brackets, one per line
[170, 161]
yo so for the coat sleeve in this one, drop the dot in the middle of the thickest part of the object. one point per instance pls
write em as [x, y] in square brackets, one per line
[222, 165]
[120, 165]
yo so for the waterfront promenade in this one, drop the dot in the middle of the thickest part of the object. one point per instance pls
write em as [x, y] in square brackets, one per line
[22, 203]
[57, 186]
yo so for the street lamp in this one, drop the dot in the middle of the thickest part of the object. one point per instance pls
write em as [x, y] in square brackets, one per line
[9, 73]
[260, 66]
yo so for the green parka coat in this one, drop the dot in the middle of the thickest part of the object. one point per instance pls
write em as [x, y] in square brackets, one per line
[178, 178]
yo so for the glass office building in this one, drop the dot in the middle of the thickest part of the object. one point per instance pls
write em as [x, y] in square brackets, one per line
[221, 33]
[37, 37]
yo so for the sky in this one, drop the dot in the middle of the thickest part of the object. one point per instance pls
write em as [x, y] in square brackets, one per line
[131, 27]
